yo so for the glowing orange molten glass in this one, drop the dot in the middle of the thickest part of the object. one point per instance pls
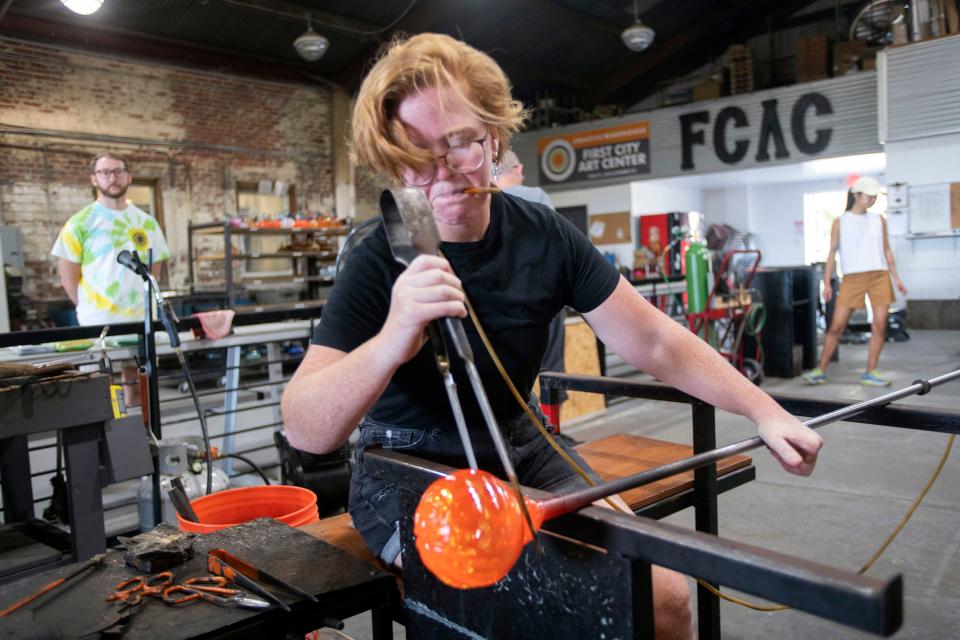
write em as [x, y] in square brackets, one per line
[469, 528]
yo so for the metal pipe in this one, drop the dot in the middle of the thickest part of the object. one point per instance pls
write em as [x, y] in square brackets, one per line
[558, 505]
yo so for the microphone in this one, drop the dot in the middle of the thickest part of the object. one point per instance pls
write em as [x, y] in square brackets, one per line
[131, 261]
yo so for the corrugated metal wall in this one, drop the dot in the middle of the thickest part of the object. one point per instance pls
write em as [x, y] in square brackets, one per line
[853, 99]
[920, 90]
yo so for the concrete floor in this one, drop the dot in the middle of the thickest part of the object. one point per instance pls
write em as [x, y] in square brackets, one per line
[865, 479]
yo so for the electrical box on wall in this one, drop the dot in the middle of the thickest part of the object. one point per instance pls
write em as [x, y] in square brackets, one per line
[897, 196]
[12, 242]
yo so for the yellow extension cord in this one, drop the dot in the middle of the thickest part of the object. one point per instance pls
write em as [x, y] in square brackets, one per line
[570, 461]
[526, 408]
[876, 554]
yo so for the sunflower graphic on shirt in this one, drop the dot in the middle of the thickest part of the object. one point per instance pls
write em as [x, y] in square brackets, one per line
[109, 292]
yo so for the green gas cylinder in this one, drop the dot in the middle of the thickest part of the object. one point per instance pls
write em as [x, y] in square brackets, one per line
[697, 261]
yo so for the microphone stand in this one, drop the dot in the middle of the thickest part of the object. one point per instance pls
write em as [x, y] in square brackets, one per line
[149, 353]
[168, 319]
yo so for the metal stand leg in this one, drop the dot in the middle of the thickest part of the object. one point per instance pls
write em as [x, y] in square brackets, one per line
[274, 377]
[230, 401]
[705, 506]
[15, 470]
[643, 622]
[382, 623]
[84, 500]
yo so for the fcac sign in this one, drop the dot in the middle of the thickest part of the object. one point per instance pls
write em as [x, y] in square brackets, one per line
[733, 136]
[596, 154]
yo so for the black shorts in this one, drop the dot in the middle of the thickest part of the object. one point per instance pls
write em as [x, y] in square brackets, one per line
[375, 503]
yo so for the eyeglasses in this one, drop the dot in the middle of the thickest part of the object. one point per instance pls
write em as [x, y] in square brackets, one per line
[106, 173]
[462, 158]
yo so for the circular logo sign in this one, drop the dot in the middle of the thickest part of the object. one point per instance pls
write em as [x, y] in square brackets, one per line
[558, 161]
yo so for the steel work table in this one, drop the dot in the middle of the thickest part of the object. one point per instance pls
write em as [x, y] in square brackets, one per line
[78, 407]
[343, 585]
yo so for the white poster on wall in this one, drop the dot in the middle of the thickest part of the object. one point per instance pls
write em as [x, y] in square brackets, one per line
[929, 208]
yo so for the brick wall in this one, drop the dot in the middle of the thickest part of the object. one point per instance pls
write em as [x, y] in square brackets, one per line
[196, 132]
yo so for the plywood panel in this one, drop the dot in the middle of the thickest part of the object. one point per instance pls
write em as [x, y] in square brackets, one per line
[622, 455]
[580, 356]
[955, 205]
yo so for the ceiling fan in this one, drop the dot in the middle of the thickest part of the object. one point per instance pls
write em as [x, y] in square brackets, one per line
[876, 21]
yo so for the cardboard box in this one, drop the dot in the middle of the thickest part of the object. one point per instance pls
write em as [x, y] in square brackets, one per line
[707, 90]
[848, 57]
[812, 62]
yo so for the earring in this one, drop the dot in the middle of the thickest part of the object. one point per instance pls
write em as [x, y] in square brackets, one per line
[495, 171]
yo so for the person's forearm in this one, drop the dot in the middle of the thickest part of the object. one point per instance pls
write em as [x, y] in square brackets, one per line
[892, 265]
[829, 268]
[70, 275]
[693, 366]
[322, 407]
[686, 362]
[652, 342]
[71, 289]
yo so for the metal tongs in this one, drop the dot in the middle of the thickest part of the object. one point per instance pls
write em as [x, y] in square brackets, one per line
[412, 231]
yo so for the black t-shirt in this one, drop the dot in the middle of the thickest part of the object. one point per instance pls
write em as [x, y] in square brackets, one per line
[529, 265]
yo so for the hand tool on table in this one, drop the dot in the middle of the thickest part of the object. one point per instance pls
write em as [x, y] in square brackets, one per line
[211, 589]
[221, 562]
[92, 562]
[181, 501]
[412, 231]
[132, 591]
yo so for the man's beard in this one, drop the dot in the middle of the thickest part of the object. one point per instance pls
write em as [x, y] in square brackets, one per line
[115, 191]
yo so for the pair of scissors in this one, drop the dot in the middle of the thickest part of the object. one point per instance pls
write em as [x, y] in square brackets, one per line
[132, 591]
[211, 589]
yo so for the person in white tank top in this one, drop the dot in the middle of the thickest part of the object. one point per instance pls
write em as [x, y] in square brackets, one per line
[866, 261]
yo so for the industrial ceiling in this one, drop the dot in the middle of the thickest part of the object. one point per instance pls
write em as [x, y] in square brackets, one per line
[567, 50]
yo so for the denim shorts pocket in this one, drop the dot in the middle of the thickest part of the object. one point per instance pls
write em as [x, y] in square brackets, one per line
[388, 436]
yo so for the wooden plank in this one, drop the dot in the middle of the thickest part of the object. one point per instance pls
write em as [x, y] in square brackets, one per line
[54, 404]
[339, 532]
[622, 455]
[955, 205]
[580, 357]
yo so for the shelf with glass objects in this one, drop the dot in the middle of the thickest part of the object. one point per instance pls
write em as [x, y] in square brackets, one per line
[265, 262]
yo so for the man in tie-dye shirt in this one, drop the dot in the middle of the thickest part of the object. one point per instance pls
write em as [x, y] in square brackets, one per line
[104, 291]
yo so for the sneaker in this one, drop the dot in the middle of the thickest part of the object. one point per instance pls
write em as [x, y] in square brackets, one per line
[873, 379]
[815, 376]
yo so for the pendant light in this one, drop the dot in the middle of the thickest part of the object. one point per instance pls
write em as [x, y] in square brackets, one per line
[637, 36]
[311, 45]
[83, 7]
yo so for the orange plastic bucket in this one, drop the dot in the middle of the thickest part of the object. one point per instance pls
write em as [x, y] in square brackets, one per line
[295, 506]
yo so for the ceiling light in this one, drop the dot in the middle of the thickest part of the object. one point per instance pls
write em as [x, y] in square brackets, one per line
[311, 45]
[637, 36]
[83, 7]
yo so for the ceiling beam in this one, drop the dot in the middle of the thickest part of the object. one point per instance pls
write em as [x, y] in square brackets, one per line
[521, 72]
[140, 45]
[550, 12]
[722, 24]
[298, 13]
[423, 17]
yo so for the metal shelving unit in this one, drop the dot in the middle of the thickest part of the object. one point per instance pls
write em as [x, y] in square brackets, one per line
[311, 250]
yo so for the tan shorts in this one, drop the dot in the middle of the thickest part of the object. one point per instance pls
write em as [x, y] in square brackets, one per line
[875, 284]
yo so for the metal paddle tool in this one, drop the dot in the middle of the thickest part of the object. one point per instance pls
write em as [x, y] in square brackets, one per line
[412, 231]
